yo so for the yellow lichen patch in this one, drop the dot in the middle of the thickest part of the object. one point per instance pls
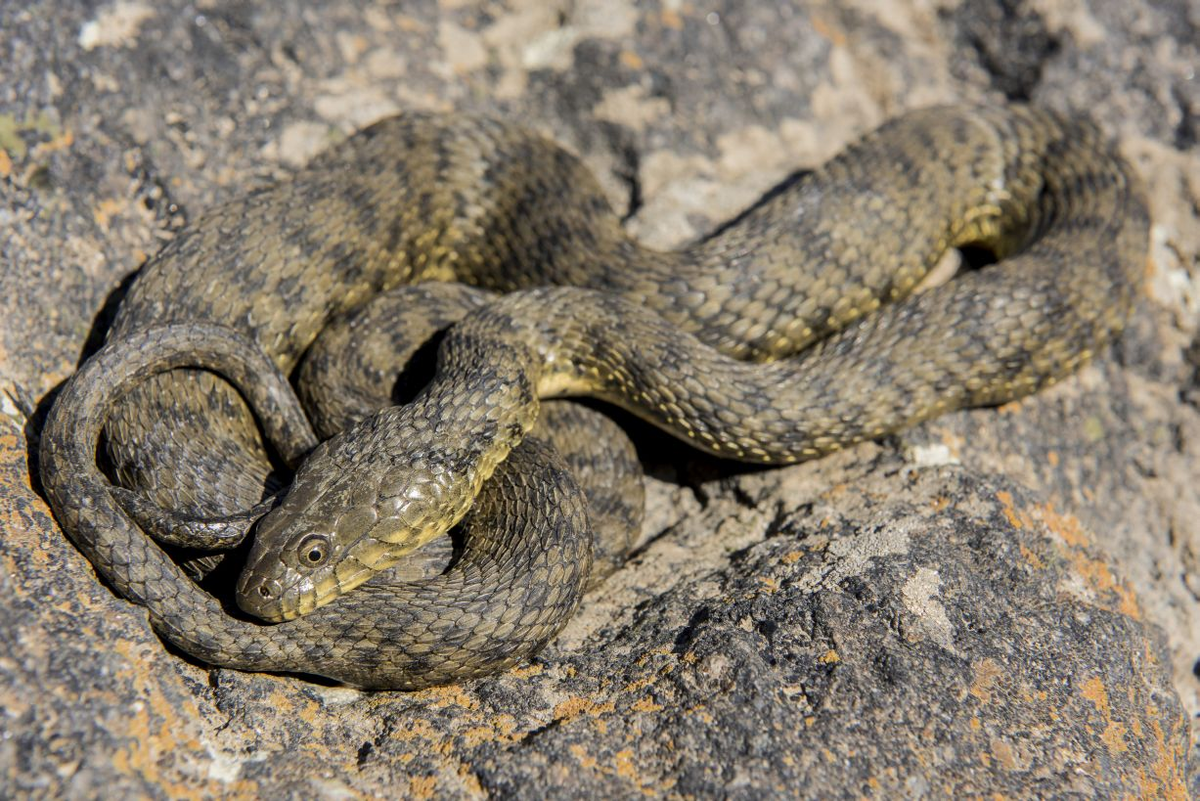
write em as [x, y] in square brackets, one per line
[1005, 755]
[526, 671]
[500, 729]
[105, 210]
[1095, 572]
[1015, 518]
[505, 725]
[624, 765]
[418, 730]
[470, 781]
[582, 757]
[575, 706]
[830, 657]
[1065, 526]
[836, 491]
[940, 503]
[1167, 781]
[637, 685]
[422, 786]
[1052, 458]
[645, 704]
[449, 695]
[5, 164]
[662, 650]
[1012, 407]
[631, 60]
[310, 711]
[769, 585]
[478, 735]
[12, 130]
[1129, 603]
[1093, 690]
[60, 141]
[1114, 732]
[1114, 737]
[826, 30]
[1031, 557]
[987, 672]
[791, 557]
[953, 443]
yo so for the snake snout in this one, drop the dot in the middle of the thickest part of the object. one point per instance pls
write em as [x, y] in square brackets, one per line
[260, 596]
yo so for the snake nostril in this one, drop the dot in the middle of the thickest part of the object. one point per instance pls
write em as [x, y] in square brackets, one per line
[261, 591]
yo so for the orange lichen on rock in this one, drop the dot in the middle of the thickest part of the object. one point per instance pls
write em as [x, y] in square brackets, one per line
[987, 672]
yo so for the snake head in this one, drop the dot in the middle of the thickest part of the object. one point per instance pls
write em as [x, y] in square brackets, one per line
[351, 512]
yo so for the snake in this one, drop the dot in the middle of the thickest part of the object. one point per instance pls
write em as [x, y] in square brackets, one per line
[798, 328]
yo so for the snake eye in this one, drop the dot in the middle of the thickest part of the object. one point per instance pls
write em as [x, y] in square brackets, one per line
[314, 550]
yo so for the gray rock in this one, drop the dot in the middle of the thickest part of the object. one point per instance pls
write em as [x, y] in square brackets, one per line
[1002, 600]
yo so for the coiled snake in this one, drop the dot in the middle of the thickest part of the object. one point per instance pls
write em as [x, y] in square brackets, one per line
[700, 341]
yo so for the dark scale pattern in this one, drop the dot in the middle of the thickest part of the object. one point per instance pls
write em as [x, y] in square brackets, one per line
[831, 260]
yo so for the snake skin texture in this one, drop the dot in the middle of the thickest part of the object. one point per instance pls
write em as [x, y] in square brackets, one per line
[713, 342]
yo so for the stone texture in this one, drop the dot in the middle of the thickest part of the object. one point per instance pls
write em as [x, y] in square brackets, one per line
[1002, 600]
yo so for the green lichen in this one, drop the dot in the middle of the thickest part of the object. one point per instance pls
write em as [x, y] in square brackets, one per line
[10, 136]
[12, 139]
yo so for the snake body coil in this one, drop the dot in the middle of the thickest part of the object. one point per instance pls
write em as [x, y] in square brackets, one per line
[674, 336]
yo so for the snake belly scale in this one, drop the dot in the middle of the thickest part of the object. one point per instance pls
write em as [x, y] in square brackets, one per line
[702, 341]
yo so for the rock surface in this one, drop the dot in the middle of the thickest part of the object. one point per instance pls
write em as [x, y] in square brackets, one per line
[939, 613]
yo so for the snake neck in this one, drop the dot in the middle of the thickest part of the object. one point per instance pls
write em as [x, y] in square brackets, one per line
[480, 406]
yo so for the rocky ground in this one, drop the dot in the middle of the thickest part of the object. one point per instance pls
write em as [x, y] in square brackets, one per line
[1003, 600]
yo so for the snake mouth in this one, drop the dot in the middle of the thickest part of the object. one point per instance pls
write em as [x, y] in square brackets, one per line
[326, 591]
